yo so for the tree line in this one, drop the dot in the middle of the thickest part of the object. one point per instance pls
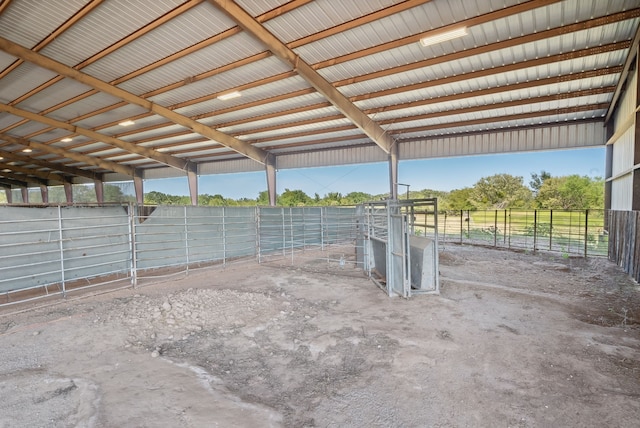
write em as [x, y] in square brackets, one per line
[499, 191]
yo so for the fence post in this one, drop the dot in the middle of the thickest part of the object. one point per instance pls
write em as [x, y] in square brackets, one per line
[495, 228]
[504, 235]
[132, 244]
[509, 228]
[224, 237]
[550, 229]
[64, 290]
[258, 230]
[586, 231]
[284, 235]
[186, 238]
[468, 224]
[535, 230]
[291, 232]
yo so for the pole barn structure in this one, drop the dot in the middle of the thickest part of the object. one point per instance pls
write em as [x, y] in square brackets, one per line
[98, 91]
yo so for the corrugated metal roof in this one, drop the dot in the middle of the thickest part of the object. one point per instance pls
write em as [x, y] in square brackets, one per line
[183, 54]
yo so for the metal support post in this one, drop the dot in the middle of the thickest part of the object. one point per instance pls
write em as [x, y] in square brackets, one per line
[132, 245]
[61, 245]
[224, 237]
[186, 238]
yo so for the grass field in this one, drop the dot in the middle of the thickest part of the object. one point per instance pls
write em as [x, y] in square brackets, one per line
[572, 233]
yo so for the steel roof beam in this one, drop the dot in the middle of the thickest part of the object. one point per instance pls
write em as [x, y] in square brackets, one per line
[35, 173]
[14, 180]
[420, 64]
[54, 166]
[341, 102]
[78, 157]
[172, 161]
[239, 146]
[484, 120]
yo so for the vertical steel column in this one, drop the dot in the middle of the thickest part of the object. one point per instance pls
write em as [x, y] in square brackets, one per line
[61, 245]
[393, 171]
[44, 193]
[192, 178]
[270, 169]
[68, 191]
[98, 186]
[25, 194]
[461, 224]
[138, 185]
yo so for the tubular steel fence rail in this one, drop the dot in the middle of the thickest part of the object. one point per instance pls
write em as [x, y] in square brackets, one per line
[53, 250]
[571, 233]
[49, 250]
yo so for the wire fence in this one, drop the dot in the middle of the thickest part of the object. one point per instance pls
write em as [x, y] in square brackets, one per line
[571, 233]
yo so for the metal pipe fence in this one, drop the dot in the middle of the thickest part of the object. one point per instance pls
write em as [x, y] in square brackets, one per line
[53, 250]
[571, 233]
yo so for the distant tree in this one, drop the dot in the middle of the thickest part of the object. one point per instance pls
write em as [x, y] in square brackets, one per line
[501, 191]
[571, 192]
[216, 200]
[84, 193]
[294, 198]
[332, 198]
[114, 194]
[246, 202]
[159, 198]
[355, 198]
[458, 199]
[537, 180]
[263, 198]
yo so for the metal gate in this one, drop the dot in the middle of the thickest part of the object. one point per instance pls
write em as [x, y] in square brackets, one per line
[399, 245]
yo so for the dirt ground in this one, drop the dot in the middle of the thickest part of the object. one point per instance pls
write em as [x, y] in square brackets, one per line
[513, 340]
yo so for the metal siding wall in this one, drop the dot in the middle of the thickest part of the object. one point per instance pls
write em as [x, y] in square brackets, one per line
[627, 104]
[229, 166]
[345, 156]
[164, 172]
[548, 138]
[623, 148]
[623, 152]
[621, 191]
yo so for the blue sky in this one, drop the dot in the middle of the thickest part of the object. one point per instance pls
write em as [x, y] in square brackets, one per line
[438, 174]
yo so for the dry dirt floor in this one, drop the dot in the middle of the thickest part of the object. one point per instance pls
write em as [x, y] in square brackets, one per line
[513, 340]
